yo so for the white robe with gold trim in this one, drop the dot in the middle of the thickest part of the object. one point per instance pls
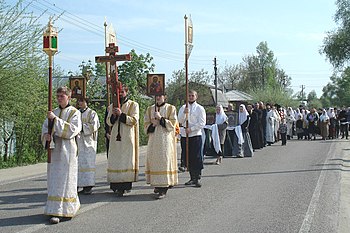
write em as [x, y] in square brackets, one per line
[123, 156]
[63, 200]
[161, 161]
[87, 145]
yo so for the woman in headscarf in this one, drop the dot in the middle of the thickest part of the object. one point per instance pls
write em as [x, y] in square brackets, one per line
[324, 122]
[244, 120]
[221, 122]
[332, 123]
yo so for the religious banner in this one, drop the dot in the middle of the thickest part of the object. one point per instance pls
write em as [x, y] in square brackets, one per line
[155, 84]
[78, 86]
[189, 35]
[111, 35]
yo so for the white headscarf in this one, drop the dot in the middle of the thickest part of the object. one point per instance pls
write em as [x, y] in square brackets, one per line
[324, 116]
[221, 116]
[331, 113]
[242, 116]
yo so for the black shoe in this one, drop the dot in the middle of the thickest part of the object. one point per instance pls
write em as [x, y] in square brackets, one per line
[155, 190]
[190, 182]
[120, 193]
[86, 191]
[182, 169]
[197, 184]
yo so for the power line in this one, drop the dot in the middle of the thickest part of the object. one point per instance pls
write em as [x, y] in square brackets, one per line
[97, 30]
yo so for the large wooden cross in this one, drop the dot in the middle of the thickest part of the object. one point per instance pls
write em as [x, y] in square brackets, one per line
[112, 58]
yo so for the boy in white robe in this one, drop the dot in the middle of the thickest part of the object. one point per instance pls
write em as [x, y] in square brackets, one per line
[87, 146]
[62, 201]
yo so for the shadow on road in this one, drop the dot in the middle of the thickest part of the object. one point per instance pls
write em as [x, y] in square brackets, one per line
[24, 220]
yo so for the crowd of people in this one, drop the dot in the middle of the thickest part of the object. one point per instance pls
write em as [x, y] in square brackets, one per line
[71, 135]
[255, 126]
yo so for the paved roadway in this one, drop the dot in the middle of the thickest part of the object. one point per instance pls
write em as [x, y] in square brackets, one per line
[301, 187]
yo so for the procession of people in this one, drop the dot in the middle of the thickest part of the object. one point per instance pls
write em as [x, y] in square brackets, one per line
[73, 142]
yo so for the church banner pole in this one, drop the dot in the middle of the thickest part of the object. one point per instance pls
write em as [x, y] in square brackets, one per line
[50, 48]
[107, 70]
[186, 76]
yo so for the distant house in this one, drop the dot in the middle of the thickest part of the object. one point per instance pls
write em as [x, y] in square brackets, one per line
[236, 98]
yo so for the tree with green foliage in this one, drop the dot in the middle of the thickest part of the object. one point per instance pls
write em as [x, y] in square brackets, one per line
[336, 45]
[274, 96]
[230, 76]
[261, 71]
[23, 90]
[337, 91]
[176, 87]
[313, 101]
[134, 73]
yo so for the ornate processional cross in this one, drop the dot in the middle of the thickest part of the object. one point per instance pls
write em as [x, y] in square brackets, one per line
[112, 59]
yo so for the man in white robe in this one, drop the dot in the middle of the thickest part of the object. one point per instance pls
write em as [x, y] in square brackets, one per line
[87, 146]
[123, 155]
[62, 201]
[161, 161]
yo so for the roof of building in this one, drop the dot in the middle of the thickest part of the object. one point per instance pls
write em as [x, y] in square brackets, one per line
[235, 95]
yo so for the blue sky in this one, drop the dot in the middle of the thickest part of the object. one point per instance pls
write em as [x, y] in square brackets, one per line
[228, 30]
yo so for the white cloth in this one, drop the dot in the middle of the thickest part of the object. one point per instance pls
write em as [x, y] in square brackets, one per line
[270, 126]
[62, 180]
[196, 119]
[238, 131]
[87, 145]
[215, 137]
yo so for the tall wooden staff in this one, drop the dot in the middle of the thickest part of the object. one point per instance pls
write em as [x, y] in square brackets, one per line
[50, 48]
[188, 48]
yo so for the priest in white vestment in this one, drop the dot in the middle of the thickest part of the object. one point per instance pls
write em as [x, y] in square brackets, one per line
[123, 155]
[62, 201]
[271, 117]
[161, 162]
[87, 146]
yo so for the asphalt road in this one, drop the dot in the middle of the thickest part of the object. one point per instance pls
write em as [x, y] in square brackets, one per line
[301, 187]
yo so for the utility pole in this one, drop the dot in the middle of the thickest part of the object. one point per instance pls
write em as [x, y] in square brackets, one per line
[216, 82]
[302, 92]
